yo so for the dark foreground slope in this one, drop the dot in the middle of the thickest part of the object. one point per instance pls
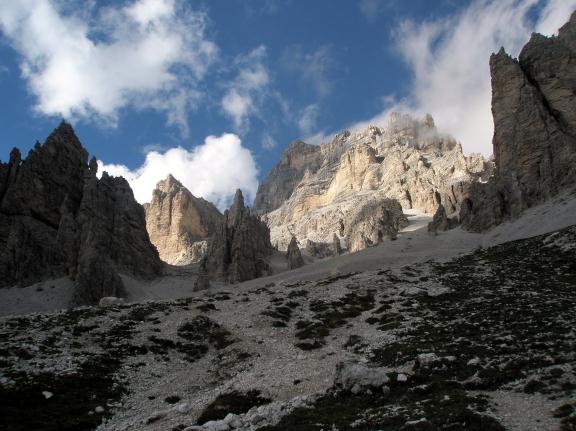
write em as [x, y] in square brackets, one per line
[481, 342]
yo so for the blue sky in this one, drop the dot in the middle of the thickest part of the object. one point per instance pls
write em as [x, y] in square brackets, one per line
[213, 91]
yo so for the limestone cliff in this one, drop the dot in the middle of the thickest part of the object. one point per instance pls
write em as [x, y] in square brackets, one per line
[58, 219]
[180, 223]
[407, 160]
[298, 159]
[533, 100]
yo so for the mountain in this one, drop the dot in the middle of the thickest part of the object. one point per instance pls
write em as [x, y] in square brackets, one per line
[179, 223]
[58, 219]
[315, 192]
[533, 100]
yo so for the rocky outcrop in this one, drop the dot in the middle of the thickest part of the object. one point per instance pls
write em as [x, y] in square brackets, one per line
[318, 249]
[240, 247]
[440, 222]
[293, 255]
[336, 246]
[407, 160]
[373, 223]
[58, 219]
[533, 101]
[179, 223]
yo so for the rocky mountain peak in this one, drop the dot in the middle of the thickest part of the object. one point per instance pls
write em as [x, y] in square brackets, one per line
[407, 160]
[179, 223]
[58, 219]
[238, 201]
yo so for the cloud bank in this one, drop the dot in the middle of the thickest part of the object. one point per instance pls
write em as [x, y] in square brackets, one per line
[213, 170]
[449, 57]
[93, 63]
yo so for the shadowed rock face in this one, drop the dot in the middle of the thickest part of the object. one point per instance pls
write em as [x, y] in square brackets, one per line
[179, 223]
[240, 247]
[58, 219]
[533, 100]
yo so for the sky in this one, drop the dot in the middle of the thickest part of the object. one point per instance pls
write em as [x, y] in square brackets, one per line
[212, 91]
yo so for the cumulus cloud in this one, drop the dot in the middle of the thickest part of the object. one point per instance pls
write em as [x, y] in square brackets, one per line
[248, 89]
[449, 61]
[213, 170]
[94, 62]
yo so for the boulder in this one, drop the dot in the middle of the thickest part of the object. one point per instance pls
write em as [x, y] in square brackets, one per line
[111, 301]
[357, 377]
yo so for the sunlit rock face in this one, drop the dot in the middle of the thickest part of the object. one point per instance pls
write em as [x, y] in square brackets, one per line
[407, 160]
[179, 223]
[533, 100]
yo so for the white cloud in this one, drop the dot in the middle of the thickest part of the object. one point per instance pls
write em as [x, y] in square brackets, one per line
[555, 15]
[308, 118]
[248, 89]
[268, 142]
[213, 170]
[449, 61]
[147, 54]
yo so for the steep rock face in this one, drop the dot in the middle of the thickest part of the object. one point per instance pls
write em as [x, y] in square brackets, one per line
[293, 255]
[240, 247]
[533, 101]
[57, 219]
[298, 159]
[407, 160]
[179, 223]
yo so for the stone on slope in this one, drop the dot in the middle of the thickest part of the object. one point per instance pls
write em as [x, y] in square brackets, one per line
[179, 223]
[534, 129]
[240, 247]
[57, 219]
[357, 377]
[293, 255]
